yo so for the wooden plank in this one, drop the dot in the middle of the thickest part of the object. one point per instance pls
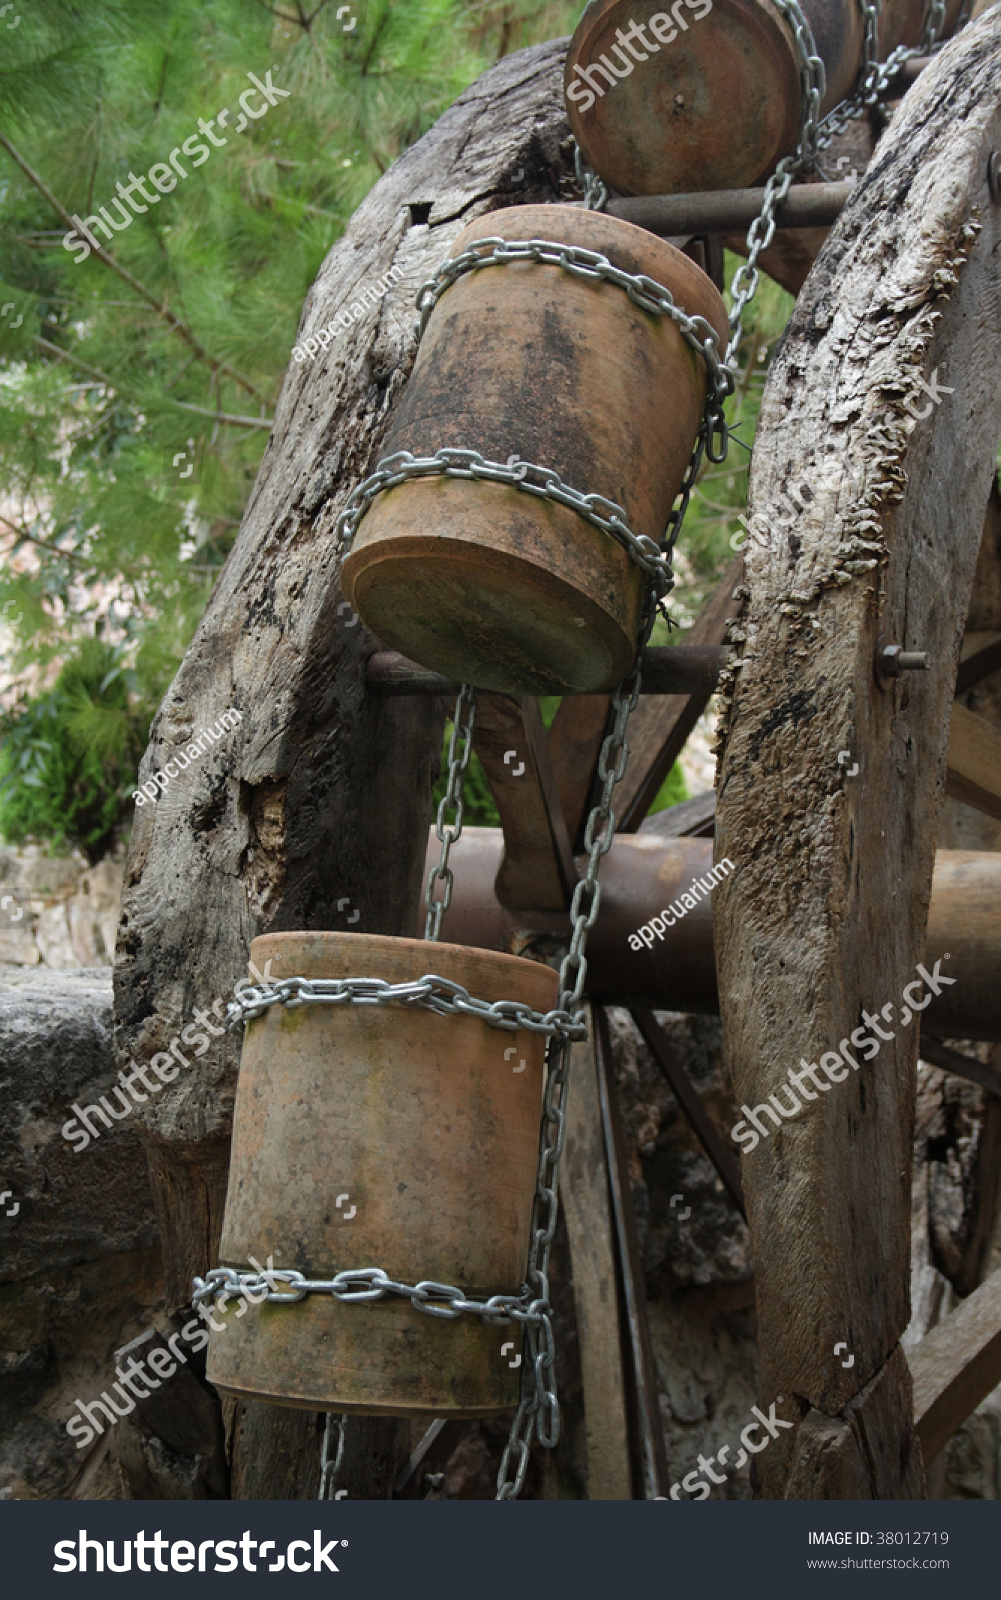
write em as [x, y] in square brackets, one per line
[575, 739]
[825, 916]
[650, 1474]
[981, 655]
[660, 725]
[960, 1065]
[690, 1102]
[974, 762]
[587, 1208]
[537, 872]
[956, 1366]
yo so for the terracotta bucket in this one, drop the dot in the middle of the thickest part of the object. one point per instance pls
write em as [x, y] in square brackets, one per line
[717, 100]
[482, 581]
[382, 1136]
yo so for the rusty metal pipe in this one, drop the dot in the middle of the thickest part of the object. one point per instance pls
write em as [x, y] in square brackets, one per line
[667, 669]
[644, 873]
[807, 205]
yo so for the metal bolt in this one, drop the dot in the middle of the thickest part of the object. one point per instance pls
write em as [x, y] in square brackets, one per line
[994, 176]
[893, 659]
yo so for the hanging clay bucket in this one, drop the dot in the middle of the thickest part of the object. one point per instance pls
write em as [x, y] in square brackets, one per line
[718, 101]
[483, 581]
[382, 1136]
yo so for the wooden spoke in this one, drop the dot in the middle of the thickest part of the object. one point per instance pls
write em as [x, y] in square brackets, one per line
[538, 869]
[690, 1101]
[660, 726]
[587, 1206]
[974, 762]
[956, 1365]
[981, 656]
[650, 1460]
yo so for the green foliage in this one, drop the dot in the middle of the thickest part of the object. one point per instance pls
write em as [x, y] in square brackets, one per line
[68, 756]
[133, 414]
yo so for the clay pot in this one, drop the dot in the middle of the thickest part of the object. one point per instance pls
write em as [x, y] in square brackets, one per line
[718, 102]
[484, 582]
[369, 1136]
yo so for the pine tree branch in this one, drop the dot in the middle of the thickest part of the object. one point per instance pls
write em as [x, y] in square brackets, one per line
[121, 388]
[175, 323]
[53, 549]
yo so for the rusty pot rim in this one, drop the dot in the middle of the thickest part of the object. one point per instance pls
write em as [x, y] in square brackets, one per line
[676, 265]
[445, 960]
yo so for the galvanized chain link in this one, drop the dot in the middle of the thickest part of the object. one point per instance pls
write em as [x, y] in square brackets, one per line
[644, 292]
[329, 1468]
[463, 723]
[595, 191]
[453, 462]
[428, 993]
[813, 81]
[815, 136]
[361, 1285]
[538, 1409]
[530, 478]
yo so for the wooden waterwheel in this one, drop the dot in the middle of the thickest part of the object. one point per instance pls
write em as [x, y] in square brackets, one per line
[314, 815]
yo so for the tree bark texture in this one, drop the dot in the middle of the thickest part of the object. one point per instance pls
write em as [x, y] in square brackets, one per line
[316, 807]
[870, 522]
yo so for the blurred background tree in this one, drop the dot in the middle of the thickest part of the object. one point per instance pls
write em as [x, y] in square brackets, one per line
[137, 386]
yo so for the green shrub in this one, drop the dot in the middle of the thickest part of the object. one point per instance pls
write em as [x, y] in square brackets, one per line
[68, 757]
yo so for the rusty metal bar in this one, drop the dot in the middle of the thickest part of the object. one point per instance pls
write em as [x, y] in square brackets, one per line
[645, 872]
[667, 669]
[807, 205]
[431, 1455]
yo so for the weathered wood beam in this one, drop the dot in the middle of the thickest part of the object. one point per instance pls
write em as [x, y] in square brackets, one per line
[587, 1207]
[659, 727]
[960, 1064]
[650, 1472]
[575, 739]
[981, 656]
[538, 869]
[807, 205]
[974, 762]
[824, 917]
[956, 1365]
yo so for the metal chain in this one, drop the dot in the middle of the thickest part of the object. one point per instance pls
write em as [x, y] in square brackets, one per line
[813, 81]
[454, 462]
[363, 1285]
[330, 1468]
[538, 1409]
[429, 993]
[644, 292]
[463, 723]
[595, 191]
[815, 136]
